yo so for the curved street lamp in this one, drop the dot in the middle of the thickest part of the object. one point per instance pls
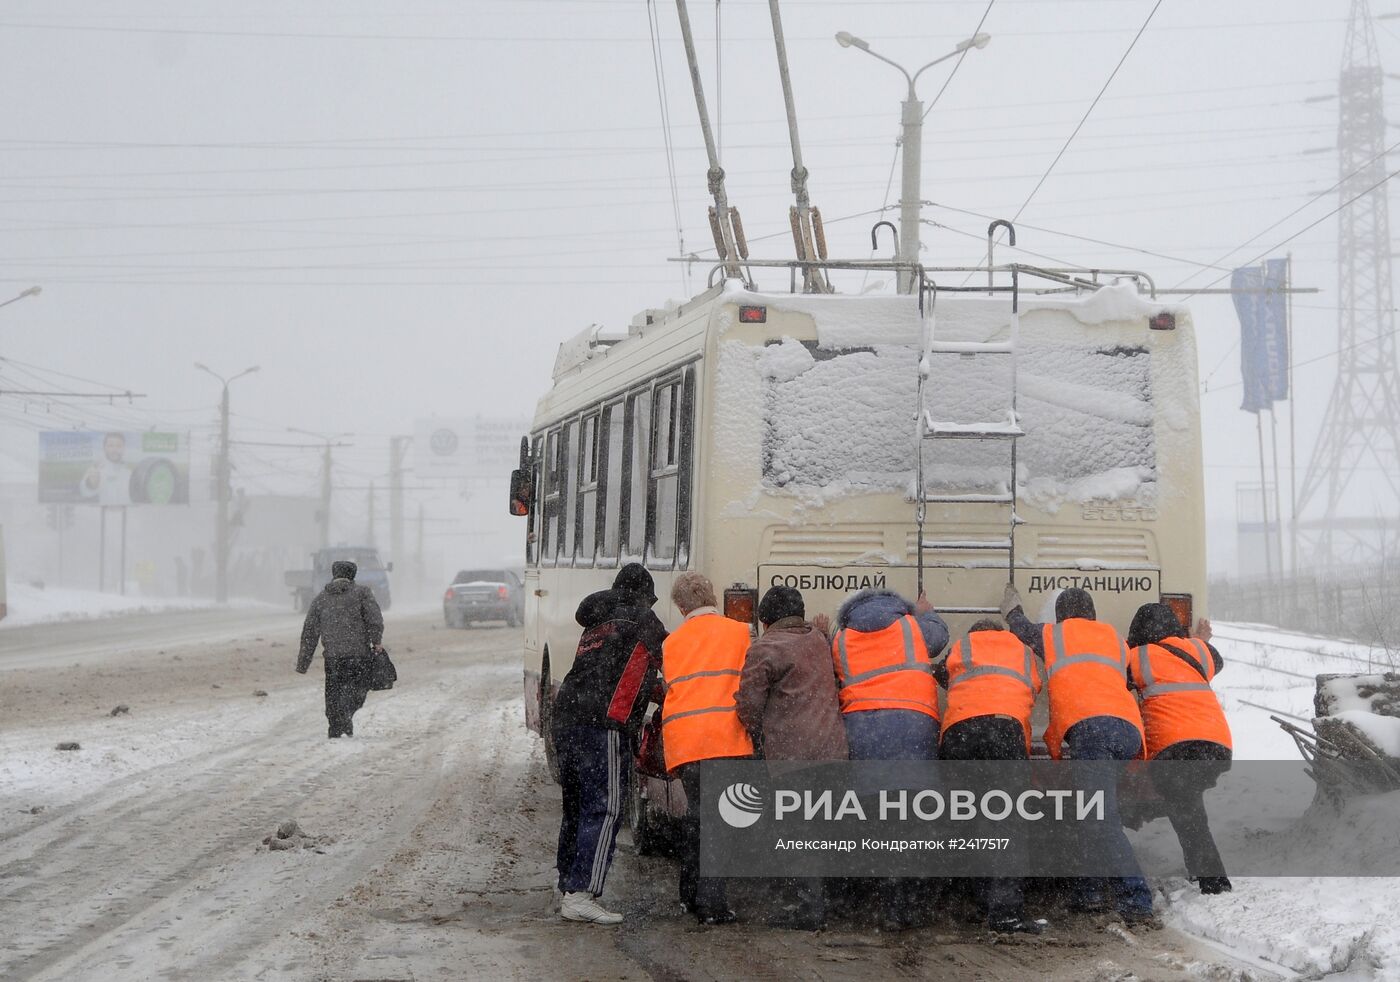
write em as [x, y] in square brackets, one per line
[911, 141]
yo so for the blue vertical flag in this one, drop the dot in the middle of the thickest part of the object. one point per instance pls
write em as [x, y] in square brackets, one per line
[1260, 303]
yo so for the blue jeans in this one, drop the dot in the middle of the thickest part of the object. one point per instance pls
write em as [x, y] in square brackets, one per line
[891, 734]
[1108, 738]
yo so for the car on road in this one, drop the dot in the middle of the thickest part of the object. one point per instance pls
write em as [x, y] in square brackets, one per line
[484, 595]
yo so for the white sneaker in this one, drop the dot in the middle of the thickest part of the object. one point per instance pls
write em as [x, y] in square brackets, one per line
[582, 907]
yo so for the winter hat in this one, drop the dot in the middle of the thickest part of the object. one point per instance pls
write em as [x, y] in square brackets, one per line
[1152, 623]
[1074, 602]
[634, 578]
[343, 569]
[780, 602]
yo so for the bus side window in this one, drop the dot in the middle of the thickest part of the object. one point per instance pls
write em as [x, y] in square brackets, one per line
[638, 456]
[532, 540]
[553, 494]
[686, 466]
[570, 477]
[611, 435]
[586, 519]
[665, 474]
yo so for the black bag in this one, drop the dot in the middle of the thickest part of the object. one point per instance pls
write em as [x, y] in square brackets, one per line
[382, 674]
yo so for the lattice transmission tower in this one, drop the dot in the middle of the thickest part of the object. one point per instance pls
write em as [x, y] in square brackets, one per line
[1348, 506]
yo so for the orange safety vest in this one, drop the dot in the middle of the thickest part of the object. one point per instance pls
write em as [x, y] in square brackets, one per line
[991, 673]
[1177, 701]
[1086, 667]
[886, 669]
[701, 661]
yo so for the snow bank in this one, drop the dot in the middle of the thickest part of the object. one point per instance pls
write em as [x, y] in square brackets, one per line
[31, 605]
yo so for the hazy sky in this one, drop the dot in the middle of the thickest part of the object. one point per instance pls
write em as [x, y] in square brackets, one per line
[399, 209]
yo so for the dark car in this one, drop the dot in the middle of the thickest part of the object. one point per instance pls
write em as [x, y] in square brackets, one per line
[484, 595]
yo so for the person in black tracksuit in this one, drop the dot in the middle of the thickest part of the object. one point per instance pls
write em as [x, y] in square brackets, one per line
[597, 719]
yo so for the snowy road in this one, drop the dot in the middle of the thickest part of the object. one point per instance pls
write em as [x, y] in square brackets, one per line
[140, 855]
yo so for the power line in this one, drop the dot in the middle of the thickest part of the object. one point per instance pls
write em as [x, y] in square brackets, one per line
[1085, 118]
[958, 64]
[663, 100]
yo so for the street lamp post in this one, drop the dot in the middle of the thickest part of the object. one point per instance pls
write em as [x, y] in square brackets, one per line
[225, 480]
[911, 142]
[325, 515]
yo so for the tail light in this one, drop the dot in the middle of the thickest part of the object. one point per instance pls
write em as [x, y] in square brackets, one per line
[1181, 606]
[503, 592]
[741, 603]
[448, 595]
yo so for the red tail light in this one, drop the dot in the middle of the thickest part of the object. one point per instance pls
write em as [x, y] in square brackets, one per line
[740, 603]
[1181, 606]
[448, 594]
[503, 592]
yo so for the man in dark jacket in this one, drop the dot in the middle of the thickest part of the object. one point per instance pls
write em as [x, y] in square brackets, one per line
[597, 719]
[787, 701]
[346, 621]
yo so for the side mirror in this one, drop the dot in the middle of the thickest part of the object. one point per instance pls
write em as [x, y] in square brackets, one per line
[522, 492]
[389, 566]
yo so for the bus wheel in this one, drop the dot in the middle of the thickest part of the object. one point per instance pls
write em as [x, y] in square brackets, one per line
[645, 841]
[551, 757]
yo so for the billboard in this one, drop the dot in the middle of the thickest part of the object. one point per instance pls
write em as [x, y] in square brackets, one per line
[114, 468]
[475, 447]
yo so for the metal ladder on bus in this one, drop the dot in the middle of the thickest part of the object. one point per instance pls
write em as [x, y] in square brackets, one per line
[932, 431]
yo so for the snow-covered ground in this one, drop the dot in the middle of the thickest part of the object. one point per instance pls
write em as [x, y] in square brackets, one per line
[31, 605]
[1333, 927]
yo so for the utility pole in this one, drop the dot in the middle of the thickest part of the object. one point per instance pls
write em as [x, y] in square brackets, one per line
[422, 567]
[1361, 428]
[325, 513]
[225, 480]
[398, 447]
[221, 521]
[328, 443]
[369, 530]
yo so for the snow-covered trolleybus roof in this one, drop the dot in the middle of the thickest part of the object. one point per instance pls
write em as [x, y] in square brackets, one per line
[792, 438]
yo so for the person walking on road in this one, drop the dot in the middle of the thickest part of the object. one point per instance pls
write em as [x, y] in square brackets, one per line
[1094, 715]
[787, 701]
[597, 720]
[883, 651]
[701, 661]
[1184, 722]
[992, 680]
[344, 618]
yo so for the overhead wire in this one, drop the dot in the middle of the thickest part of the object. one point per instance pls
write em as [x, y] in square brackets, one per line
[663, 100]
[1088, 112]
[1256, 236]
[958, 64]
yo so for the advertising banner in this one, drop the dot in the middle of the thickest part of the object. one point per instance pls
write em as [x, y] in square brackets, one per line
[475, 447]
[1262, 308]
[114, 468]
